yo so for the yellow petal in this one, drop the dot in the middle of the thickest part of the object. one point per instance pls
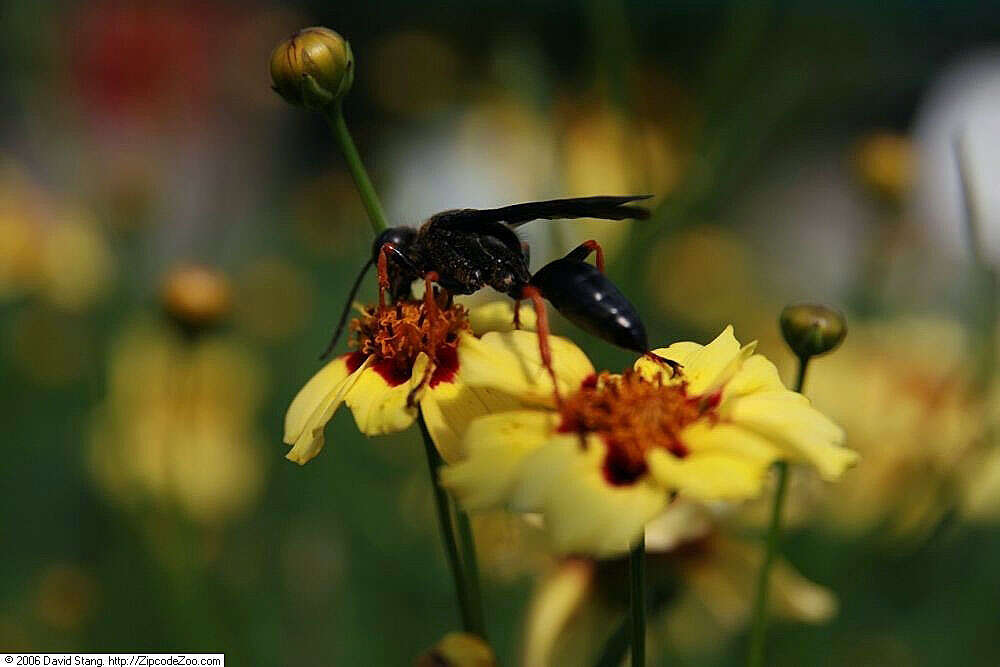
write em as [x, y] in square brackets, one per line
[705, 367]
[495, 446]
[511, 362]
[799, 430]
[554, 605]
[584, 513]
[315, 391]
[458, 649]
[704, 437]
[725, 575]
[797, 598]
[380, 408]
[498, 315]
[313, 407]
[708, 476]
[449, 408]
[756, 374]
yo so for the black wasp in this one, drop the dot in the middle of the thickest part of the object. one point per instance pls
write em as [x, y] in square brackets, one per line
[464, 250]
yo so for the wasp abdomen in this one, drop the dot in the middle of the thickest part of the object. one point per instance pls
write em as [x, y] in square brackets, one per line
[588, 299]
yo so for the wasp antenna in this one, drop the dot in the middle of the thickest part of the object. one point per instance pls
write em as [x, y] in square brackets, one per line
[347, 309]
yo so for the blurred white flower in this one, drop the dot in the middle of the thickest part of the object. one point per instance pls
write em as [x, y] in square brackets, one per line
[964, 100]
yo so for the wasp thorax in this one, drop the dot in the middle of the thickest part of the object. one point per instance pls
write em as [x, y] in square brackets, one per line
[634, 414]
[397, 333]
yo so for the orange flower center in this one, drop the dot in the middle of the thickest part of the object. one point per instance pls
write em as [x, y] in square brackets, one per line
[633, 415]
[395, 334]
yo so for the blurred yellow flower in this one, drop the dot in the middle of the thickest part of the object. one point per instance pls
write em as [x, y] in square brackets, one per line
[900, 388]
[700, 582]
[730, 292]
[980, 486]
[77, 266]
[49, 247]
[407, 357]
[177, 427]
[605, 150]
[20, 250]
[458, 649]
[607, 461]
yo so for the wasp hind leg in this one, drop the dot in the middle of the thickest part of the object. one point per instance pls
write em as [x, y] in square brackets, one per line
[582, 252]
[532, 293]
[675, 367]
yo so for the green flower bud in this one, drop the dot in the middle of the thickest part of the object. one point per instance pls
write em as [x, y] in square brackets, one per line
[313, 68]
[812, 330]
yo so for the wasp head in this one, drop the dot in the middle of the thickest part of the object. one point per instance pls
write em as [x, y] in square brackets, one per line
[401, 237]
[401, 272]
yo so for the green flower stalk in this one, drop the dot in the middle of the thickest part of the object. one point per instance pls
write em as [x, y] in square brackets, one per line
[810, 331]
[314, 69]
[637, 601]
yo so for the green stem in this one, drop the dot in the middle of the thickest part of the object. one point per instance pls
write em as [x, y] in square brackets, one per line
[800, 377]
[616, 646]
[758, 631]
[466, 578]
[637, 579]
[442, 504]
[475, 596]
[335, 118]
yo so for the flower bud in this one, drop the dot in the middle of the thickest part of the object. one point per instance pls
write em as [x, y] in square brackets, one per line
[458, 649]
[196, 297]
[885, 165]
[812, 330]
[313, 68]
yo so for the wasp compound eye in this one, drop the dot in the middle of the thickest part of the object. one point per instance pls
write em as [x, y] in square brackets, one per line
[401, 237]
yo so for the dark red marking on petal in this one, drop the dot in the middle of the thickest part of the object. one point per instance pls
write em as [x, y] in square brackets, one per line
[709, 401]
[393, 374]
[354, 360]
[569, 424]
[620, 469]
[589, 382]
[447, 365]
[678, 449]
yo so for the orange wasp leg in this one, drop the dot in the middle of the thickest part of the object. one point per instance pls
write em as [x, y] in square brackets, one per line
[531, 292]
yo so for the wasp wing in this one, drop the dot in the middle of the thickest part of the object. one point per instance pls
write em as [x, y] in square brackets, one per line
[604, 208]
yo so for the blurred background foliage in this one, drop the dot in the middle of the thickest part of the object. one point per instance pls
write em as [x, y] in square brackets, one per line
[796, 151]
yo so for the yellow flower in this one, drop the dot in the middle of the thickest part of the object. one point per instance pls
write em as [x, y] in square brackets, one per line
[700, 584]
[607, 461]
[901, 389]
[405, 359]
[177, 427]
